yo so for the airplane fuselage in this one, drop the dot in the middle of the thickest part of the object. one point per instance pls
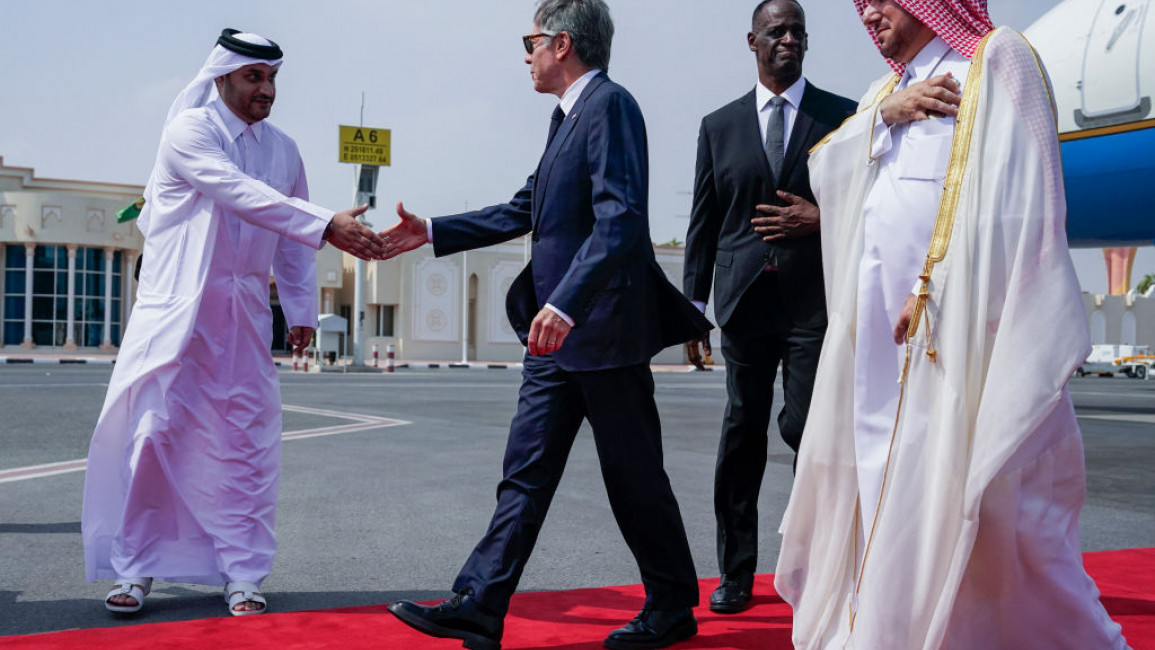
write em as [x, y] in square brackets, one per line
[1100, 55]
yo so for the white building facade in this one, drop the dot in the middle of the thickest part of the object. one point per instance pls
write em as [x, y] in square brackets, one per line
[67, 263]
[1128, 319]
[453, 308]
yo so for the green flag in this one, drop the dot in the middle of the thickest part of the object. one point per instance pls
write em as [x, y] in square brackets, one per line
[130, 211]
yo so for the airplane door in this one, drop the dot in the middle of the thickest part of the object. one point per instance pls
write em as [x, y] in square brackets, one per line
[1111, 62]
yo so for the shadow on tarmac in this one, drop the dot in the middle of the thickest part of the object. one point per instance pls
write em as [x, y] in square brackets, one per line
[37, 529]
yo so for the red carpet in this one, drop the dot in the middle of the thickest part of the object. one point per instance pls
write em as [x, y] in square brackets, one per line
[567, 620]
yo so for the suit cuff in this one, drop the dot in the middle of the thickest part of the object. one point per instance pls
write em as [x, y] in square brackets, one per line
[564, 316]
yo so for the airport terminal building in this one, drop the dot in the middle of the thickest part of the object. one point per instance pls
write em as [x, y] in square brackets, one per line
[67, 262]
[68, 285]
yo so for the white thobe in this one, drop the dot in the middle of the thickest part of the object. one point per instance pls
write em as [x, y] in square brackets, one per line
[975, 545]
[184, 463]
[898, 219]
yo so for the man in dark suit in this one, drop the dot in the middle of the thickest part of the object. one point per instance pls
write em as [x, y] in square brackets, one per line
[593, 307]
[754, 231]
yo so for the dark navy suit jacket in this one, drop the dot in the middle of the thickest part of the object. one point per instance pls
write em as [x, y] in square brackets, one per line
[592, 255]
[732, 177]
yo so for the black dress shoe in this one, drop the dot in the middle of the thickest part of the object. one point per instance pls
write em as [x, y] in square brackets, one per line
[459, 617]
[732, 595]
[653, 629]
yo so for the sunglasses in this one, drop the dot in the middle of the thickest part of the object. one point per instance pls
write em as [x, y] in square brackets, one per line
[530, 40]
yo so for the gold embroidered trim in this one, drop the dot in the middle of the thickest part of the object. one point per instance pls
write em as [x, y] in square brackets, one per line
[944, 224]
[948, 205]
[887, 88]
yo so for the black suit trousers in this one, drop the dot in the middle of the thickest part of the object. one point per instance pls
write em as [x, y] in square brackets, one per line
[758, 336]
[619, 404]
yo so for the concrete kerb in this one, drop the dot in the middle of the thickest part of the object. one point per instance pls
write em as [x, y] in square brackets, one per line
[16, 356]
[55, 357]
[483, 365]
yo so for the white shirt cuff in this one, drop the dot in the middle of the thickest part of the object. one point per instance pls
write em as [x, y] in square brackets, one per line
[564, 316]
[700, 305]
[429, 230]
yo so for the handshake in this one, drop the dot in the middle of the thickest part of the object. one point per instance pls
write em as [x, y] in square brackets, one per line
[347, 233]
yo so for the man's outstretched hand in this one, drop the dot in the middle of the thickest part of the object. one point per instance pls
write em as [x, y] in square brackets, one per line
[353, 237]
[408, 234]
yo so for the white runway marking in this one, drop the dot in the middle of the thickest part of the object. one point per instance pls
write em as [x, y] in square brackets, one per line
[360, 423]
[40, 471]
[1096, 393]
[36, 387]
[1122, 417]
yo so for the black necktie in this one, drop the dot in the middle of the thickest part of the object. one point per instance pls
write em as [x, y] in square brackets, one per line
[775, 135]
[555, 121]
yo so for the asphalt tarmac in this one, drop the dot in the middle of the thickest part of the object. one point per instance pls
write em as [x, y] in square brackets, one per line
[371, 513]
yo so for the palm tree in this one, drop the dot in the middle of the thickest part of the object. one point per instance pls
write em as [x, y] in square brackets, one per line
[1146, 284]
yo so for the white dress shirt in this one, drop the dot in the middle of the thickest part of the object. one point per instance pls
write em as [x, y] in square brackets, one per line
[898, 221]
[793, 97]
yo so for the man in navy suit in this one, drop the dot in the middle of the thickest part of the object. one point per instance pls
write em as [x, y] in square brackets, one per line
[754, 231]
[592, 307]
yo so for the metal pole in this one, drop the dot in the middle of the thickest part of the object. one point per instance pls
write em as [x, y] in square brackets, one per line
[465, 302]
[358, 314]
[465, 307]
[358, 311]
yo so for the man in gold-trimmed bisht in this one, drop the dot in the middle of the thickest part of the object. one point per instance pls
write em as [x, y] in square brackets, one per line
[937, 498]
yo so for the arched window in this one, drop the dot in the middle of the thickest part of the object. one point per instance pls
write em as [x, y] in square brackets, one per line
[1130, 328]
[1098, 327]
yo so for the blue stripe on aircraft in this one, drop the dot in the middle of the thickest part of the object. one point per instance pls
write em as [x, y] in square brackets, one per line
[1110, 180]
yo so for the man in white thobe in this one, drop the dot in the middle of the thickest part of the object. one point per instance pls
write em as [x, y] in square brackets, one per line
[184, 463]
[937, 497]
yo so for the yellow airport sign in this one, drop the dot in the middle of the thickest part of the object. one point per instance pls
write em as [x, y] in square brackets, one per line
[364, 145]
